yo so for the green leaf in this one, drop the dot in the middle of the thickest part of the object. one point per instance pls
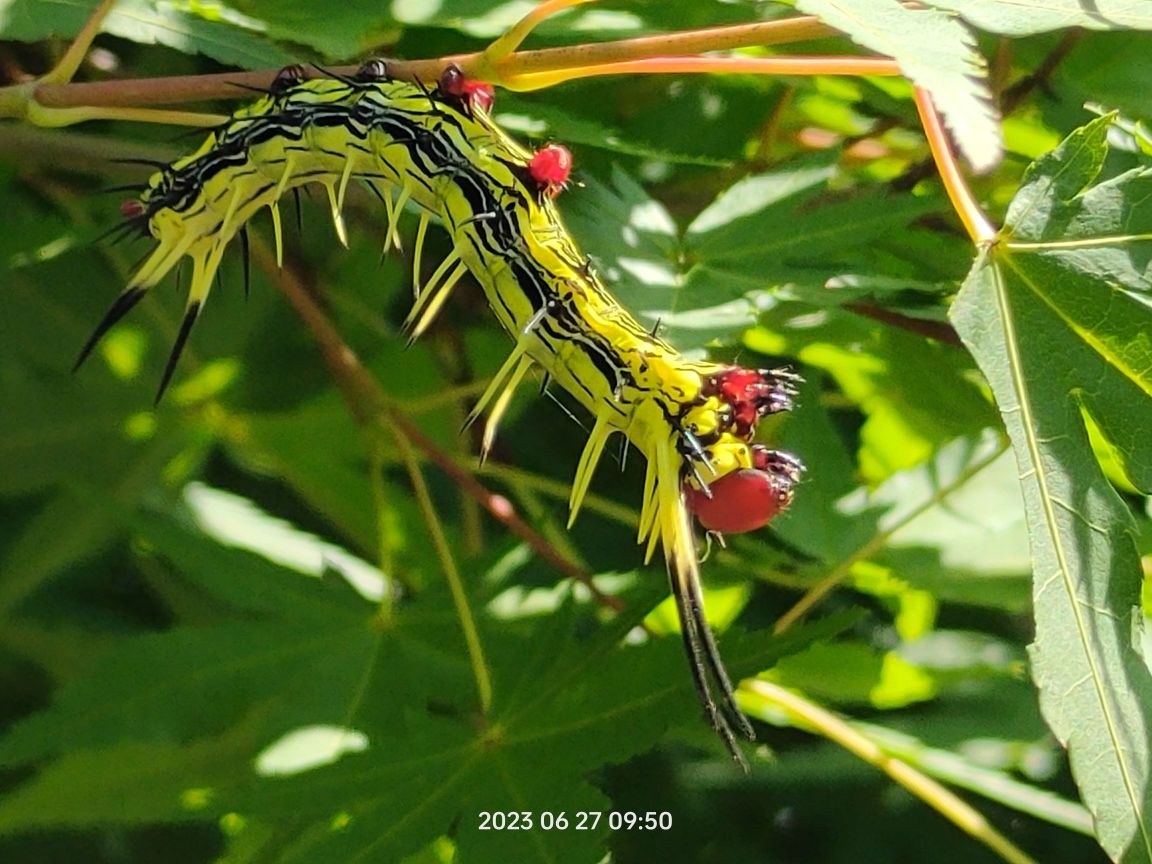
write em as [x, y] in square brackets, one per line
[1052, 315]
[538, 119]
[569, 705]
[428, 762]
[784, 226]
[1025, 17]
[971, 545]
[709, 282]
[75, 523]
[915, 395]
[176, 685]
[127, 784]
[217, 32]
[938, 53]
[950, 525]
[216, 555]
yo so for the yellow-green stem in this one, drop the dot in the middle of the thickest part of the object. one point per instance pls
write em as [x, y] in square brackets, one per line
[38, 115]
[697, 65]
[975, 222]
[384, 557]
[502, 48]
[447, 564]
[877, 542]
[825, 723]
[69, 64]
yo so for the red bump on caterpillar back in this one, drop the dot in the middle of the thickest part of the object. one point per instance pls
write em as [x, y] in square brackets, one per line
[550, 167]
[476, 95]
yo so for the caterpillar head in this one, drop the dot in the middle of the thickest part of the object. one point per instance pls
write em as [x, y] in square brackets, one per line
[751, 484]
[752, 394]
[748, 498]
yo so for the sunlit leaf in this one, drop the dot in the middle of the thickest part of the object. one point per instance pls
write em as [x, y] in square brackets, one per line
[219, 32]
[1056, 316]
[1023, 17]
[934, 50]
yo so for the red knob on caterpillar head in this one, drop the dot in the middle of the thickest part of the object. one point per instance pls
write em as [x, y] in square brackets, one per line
[744, 500]
[748, 498]
[550, 167]
[752, 394]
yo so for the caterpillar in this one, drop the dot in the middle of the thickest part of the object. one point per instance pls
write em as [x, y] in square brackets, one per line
[436, 147]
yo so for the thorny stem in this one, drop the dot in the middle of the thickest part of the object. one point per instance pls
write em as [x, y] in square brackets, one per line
[975, 222]
[809, 715]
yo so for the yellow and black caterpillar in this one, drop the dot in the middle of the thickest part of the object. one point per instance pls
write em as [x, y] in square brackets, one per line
[437, 148]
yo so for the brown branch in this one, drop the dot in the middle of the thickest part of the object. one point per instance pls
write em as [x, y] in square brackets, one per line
[932, 329]
[368, 405]
[231, 85]
[1023, 88]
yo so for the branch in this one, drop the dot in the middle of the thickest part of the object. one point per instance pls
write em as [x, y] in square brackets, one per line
[975, 222]
[808, 715]
[236, 85]
[368, 405]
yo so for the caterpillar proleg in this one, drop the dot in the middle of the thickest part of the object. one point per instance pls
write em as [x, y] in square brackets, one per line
[437, 147]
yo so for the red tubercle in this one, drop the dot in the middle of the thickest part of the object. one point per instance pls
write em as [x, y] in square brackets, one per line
[748, 498]
[480, 95]
[742, 501]
[131, 209]
[551, 167]
[477, 95]
[752, 394]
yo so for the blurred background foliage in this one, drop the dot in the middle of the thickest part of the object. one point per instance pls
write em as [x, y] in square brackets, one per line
[195, 665]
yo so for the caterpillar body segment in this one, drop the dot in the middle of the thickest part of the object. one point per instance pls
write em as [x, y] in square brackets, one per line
[437, 148]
